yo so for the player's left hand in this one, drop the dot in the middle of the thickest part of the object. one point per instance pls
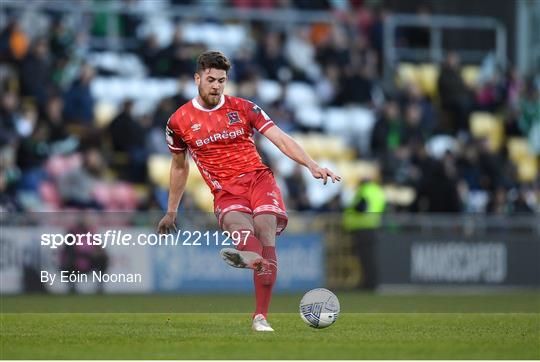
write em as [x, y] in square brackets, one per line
[324, 173]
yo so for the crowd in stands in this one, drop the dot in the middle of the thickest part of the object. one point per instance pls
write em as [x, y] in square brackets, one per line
[59, 151]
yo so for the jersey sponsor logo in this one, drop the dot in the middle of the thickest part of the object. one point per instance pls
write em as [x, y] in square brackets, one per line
[233, 117]
[219, 136]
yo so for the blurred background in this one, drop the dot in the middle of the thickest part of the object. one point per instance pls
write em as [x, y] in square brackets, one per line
[429, 110]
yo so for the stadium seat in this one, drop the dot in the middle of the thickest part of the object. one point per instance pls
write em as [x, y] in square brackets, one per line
[300, 94]
[268, 90]
[406, 73]
[321, 146]
[527, 168]
[336, 121]
[427, 75]
[317, 193]
[50, 195]
[487, 125]
[399, 195]
[124, 196]
[227, 37]
[59, 165]
[189, 89]
[310, 116]
[352, 172]
[362, 121]
[518, 148]
[104, 113]
[158, 170]
[203, 199]
[123, 64]
[438, 145]
[470, 74]
[520, 153]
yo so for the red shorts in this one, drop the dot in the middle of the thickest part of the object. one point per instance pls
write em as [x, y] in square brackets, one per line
[254, 193]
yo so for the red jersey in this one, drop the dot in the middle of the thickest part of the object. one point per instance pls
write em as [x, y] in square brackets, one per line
[220, 139]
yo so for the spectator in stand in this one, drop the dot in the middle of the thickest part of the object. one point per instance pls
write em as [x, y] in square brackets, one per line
[13, 43]
[300, 53]
[9, 177]
[356, 86]
[498, 203]
[33, 151]
[177, 58]
[270, 58]
[150, 52]
[456, 98]
[8, 117]
[469, 167]
[328, 85]
[412, 94]
[243, 65]
[438, 189]
[385, 136]
[76, 187]
[411, 130]
[35, 72]
[490, 95]
[529, 121]
[78, 100]
[128, 136]
[62, 39]
[296, 186]
[334, 49]
[61, 141]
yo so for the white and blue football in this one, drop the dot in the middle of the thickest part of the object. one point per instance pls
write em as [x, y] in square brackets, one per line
[319, 308]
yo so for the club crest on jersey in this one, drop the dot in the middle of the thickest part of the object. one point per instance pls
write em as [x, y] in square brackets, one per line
[196, 127]
[233, 117]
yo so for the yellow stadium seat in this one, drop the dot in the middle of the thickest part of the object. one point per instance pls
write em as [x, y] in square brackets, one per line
[158, 169]
[527, 168]
[203, 199]
[518, 147]
[399, 195]
[104, 113]
[406, 73]
[352, 172]
[487, 125]
[427, 75]
[470, 73]
[328, 147]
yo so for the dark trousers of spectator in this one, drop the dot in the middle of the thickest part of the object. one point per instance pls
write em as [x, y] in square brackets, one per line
[364, 248]
[458, 113]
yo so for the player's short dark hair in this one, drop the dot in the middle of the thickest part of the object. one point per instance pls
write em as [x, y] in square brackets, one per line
[213, 59]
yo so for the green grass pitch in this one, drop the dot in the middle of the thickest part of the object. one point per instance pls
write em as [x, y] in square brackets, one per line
[489, 326]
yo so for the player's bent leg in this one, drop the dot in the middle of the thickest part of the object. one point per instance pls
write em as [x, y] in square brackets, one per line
[265, 228]
[248, 253]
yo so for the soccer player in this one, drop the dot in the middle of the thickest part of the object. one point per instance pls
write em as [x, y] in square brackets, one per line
[217, 130]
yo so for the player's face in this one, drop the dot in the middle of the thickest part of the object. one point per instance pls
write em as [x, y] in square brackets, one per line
[211, 83]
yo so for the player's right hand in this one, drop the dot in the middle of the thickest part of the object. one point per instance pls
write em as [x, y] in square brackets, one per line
[324, 174]
[167, 224]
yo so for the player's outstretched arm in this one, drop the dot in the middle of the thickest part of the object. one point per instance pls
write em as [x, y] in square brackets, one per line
[178, 179]
[293, 150]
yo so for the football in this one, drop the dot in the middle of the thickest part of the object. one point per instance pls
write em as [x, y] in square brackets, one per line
[319, 308]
